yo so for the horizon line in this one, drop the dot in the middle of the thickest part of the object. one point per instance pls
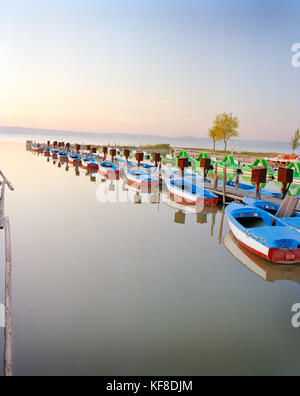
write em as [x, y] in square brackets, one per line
[133, 134]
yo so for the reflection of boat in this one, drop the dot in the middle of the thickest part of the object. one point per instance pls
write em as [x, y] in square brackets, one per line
[74, 159]
[89, 163]
[264, 234]
[109, 169]
[63, 156]
[292, 221]
[264, 269]
[147, 166]
[54, 153]
[139, 195]
[188, 193]
[139, 177]
[195, 209]
[37, 148]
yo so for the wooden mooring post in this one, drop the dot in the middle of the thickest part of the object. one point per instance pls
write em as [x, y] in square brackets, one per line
[216, 176]
[8, 332]
[8, 347]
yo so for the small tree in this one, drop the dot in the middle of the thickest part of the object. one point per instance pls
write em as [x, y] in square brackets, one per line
[228, 125]
[215, 134]
[295, 141]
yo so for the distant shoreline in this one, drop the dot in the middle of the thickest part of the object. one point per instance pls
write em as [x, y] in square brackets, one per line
[240, 146]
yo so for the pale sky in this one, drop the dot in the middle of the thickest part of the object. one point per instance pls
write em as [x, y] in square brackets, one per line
[163, 67]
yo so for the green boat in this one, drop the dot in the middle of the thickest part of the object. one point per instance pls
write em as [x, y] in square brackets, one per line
[182, 154]
[247, 169]
[196, 162]
[231, 165]
[167, 159]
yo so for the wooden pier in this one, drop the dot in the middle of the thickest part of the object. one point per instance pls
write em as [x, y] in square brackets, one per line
[223, 191]
[7, 322]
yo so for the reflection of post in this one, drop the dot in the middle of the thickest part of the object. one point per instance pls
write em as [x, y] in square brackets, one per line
[221, 225]
[201, 218]
[8, 356]
[179, 218]
[213, 222]
[224, 184]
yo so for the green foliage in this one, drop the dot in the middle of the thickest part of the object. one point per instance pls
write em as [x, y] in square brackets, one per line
[227, 126]
[163, 146]
[215, 134]
[295, 141]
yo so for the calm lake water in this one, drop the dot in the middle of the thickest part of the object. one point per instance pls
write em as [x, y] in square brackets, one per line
[135, 289]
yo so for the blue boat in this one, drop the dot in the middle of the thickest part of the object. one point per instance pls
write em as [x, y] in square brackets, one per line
[264, 234]
[292, 221]
[109, 168]
[190, 193]
[146, 166]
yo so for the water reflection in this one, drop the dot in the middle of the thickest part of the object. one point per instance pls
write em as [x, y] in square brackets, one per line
[262, 268]
[101, 289]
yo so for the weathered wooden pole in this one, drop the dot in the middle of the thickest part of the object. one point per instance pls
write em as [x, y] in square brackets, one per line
[286, 177]
[224, 183]
[113, 153]
[216, 176]
[104, 150]
[139, 157]
[156, 159]
[259, 176]
[2, 205]
[205, 165]
[8, 349]
[126, 153]
[9, 185]
[182, 164]
[237, 181]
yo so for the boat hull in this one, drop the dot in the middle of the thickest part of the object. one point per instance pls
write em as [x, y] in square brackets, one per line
[187, 198]
[279, 256]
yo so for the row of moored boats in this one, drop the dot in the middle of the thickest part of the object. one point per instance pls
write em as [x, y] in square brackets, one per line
[266, 229]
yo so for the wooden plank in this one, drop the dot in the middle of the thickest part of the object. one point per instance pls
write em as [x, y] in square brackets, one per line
[8, 350]
[2, 206]
[287, 207]
[10, 186]
[2, 316]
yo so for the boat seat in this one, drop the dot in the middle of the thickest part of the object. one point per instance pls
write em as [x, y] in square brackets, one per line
[276, 236]
[292, 222]
[287, 207]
